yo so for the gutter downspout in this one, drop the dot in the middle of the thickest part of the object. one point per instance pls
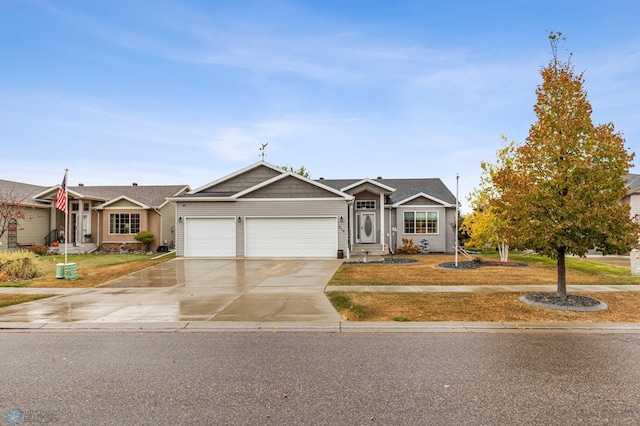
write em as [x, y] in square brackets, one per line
[161, 242]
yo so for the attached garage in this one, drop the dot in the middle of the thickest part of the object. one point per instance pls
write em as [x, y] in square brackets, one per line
[210, 237]
[291, 237]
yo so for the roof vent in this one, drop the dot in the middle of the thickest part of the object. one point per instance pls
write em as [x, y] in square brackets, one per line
[321, 178]
[135, 183]
[379, 177]
[81, 184]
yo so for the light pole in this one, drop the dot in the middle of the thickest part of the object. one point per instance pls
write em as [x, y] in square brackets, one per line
[457, 215]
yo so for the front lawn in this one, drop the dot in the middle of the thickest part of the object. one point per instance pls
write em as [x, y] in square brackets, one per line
[539, 271]
[482, 307]
[93, 269]
[14, 299]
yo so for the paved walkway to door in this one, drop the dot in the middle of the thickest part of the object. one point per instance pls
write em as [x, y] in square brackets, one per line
[193, 290]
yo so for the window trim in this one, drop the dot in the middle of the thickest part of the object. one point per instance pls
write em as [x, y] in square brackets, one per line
[129, 223]
[362, 204]
[414, 228]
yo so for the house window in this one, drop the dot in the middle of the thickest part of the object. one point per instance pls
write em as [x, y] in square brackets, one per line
[76, 206]
[124, 223]
[366, 205]
[421, 222]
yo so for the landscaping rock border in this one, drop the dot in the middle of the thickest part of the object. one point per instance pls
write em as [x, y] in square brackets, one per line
[570, 303]
[466, 265]
[387, 261]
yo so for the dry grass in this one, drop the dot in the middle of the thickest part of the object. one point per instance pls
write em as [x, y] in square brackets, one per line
[539, 271]
[489, 307]
[93, 269]
[14, 299]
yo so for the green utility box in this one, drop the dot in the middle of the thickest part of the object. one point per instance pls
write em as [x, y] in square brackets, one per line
[70, 271]
[59, 271]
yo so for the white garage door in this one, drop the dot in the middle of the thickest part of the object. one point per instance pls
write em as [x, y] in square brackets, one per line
[210, 237]
[291, 237]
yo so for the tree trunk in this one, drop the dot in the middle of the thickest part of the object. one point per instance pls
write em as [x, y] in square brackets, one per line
[503, 248]
[562, 273]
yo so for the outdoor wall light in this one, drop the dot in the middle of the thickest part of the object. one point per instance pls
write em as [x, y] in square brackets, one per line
[341, 219]
[180, 219]
[239, 219]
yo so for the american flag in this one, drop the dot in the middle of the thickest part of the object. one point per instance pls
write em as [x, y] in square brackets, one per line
[61, 199]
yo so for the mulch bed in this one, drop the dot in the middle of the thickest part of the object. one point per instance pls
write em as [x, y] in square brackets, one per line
[466, 265]
[570, 303]
[387, 261]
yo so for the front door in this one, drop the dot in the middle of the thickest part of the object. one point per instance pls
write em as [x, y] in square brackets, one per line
[367, 227]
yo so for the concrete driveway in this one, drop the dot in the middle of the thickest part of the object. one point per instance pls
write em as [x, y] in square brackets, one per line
[193, 290]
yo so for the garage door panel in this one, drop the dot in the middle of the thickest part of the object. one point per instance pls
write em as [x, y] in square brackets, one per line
[291, 237]
[210, 237]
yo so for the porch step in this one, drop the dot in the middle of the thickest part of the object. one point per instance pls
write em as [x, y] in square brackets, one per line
[373, 249]
[71, 249]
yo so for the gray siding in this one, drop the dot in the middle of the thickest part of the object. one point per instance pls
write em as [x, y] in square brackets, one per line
[244, 181]
[168, 219]
[243, 209]
[290, 187]
[440, 242]
[421, 201]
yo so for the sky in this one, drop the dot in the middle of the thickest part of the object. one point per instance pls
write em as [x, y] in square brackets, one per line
[185, 91]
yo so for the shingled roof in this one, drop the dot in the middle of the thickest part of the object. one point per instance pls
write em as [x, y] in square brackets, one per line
[404, 188]
[633, 182]
[151, 195]
[23, 192]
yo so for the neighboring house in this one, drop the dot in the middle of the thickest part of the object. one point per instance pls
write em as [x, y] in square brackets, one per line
[105, 216]
[31, 229]
[264, 211]
[633, 195]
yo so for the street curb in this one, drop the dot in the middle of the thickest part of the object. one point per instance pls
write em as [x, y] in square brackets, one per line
[339, 327]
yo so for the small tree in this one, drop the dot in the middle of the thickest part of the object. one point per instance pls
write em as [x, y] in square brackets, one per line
[12, 207]
[485, 225]
[302, 171]
[146, 238]
[560, 192]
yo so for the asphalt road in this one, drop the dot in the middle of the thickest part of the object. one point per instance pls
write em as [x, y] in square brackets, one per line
[244, 378]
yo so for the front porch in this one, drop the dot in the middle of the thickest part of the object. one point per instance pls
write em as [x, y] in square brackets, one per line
[368, 252]
[73, 248]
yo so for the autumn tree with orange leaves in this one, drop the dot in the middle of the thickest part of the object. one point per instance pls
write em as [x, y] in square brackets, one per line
[560, 192]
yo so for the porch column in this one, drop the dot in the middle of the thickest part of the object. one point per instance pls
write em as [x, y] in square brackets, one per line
[352, 226]
[382, 221]
[52, 219]
[80, 224]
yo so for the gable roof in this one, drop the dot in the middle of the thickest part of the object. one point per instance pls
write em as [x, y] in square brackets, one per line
[23, 192]
[251, 179]
[211, 185]
[633, 182]
[148, 195]
[405, 189]
[369, 181]
[422, 195]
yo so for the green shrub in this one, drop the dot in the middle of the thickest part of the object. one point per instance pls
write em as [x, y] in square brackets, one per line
[40, 250]
[18, 265]
[146, 238]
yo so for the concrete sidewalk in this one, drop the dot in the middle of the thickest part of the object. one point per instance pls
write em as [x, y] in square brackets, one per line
[480, 288]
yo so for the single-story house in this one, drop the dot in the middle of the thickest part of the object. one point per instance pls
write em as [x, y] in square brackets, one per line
[264, 211]
[106, 216]
[35, 224]
[633, 195]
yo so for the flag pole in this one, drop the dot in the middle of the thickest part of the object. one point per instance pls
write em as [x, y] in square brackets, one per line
[66, 218]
